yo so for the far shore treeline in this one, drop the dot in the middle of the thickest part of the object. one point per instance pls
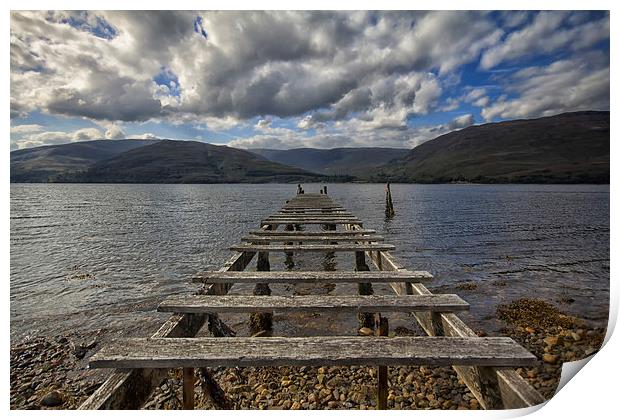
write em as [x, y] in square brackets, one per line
[565, 148]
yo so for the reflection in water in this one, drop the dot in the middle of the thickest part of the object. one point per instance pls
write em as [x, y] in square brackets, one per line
[86, 257]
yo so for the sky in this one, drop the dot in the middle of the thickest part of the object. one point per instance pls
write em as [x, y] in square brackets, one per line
[297, 79]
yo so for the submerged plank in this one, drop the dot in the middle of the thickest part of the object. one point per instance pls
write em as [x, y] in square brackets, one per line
[313, 276]
[354, 303]
[310, 351]
[311, 248]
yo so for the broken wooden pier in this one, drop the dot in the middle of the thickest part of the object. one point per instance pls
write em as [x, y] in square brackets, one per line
[485, 364]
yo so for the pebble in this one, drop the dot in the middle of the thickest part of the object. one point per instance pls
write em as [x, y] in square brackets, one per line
[52, 399]
[365, 331]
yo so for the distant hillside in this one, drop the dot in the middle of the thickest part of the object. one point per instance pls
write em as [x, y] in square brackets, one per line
[340, 161]
[566, 148]
[169, 161]
[43, 164]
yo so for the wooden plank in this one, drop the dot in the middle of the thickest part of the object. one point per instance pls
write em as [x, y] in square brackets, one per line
[309, 351]
[313, 215]
[312, 238]
[515, 391]
[312, 211]
[311, 248]
[324, 219]
[312, 277]
[309, 221]
[312, 303]
[338, 233]
[129, 389]
[316, 207]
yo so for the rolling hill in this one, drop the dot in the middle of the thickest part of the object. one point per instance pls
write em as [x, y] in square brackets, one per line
[341, 161]
[169, 161]
[566, 148]
[45, 163]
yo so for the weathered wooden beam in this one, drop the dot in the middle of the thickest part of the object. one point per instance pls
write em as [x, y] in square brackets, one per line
[312, 211]
[313, 215]
[129, 389]
[313, 238]
[341, 233]
[310, 221]
[515, 391]
[309, 351]
[313, 276]
[312, 303]
[311, 248]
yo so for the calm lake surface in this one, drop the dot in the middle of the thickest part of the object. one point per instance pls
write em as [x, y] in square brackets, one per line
[89, 257]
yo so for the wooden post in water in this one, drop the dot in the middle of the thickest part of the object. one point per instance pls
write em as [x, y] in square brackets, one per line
[389, 206]
[365, 319]
[262, 321]
[188, 388]
[382, 371]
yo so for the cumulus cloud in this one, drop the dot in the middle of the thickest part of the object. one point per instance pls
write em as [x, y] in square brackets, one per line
[102, 65]
[564, 85]
[350, 134]
[26, 128]
[547, 33]
[344, 78]
[26, 136]
[115, 133]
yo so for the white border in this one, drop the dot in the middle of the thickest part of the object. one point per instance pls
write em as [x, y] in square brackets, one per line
[591, 395]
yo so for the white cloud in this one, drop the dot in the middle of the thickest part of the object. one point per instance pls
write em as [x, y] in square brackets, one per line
[356, 77]
[547, 34]
[242, 69]
[26, 128]
[115, 132]
[565, 85]
[351, 133]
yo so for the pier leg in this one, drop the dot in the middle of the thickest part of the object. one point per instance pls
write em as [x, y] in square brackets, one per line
[289, 255]
[188, 388]
[365, 319]
[382, 371]
[329, 262]
[262, 321]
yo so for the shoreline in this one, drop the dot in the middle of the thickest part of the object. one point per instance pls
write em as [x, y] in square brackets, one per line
[51, 372]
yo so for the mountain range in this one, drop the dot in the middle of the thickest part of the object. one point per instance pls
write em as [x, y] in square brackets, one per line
[340, 161]
[565, 148]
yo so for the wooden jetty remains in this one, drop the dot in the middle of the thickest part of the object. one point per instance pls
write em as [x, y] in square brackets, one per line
[484, 364]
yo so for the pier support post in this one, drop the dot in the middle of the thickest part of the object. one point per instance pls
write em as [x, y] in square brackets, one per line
[329, 262]
[365, 319]
[289, 255]
[188, 388]
[382, 371]
[262, 321]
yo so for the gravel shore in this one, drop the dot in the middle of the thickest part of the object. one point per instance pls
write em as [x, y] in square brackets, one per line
[51, 372]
